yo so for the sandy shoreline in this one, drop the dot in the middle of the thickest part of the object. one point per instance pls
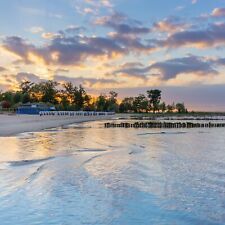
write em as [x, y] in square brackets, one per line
[15, 124]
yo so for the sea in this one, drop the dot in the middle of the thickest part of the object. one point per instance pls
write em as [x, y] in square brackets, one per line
[85, 174]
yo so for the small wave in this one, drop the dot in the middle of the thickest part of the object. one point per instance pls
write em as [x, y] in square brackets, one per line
[203, 132]
[51, 130]
[28, 135]
[27, 162]
[162, 132]
[75, 126]
[91, 150]
[140, 146]
[89, 160]
[35, 174]
[81, 127]
[4, 165]
[115, 146]
[132, 153]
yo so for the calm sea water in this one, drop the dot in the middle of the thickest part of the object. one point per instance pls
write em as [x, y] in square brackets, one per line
[85, 174]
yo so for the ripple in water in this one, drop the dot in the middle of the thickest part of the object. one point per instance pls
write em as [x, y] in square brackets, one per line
[109, 176]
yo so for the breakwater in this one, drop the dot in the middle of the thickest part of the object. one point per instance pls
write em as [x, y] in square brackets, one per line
[157, 124]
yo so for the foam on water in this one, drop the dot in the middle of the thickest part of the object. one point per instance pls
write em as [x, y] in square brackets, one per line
[28, 162]
[163, 132]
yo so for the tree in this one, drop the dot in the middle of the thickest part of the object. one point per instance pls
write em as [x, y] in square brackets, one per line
[48, 91]
[112, 101]
[26, 86]
[102, 103]
[17, 97]
[180, 108]
[127, 105]
[1, 96]
[80, 97]
[140, 103]
[170, 108]
[5, 104]
[69, 92]
[154, 99]
[162, 107]
[25, 98]
[65, 103]
[35, 93]
[8, 96]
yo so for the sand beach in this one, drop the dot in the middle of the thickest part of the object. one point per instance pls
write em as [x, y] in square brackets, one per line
[15, 124]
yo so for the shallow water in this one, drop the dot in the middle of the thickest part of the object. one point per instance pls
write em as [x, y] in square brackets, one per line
[86, 174]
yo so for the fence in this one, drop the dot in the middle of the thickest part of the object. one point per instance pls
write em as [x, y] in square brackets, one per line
[74, 113]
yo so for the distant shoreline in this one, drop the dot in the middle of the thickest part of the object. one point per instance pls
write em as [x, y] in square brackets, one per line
[15, 124]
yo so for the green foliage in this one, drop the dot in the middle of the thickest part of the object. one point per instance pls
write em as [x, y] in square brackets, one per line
[171, 108]
[127, 105]
[180, 108]
[25, 98]
[8, 96]
[102, 103]
[17, 97]
[71, 97]
[26, 86]
[107, 103]
[154, 99]
[141, 103]
[162, 107]
[48, 91]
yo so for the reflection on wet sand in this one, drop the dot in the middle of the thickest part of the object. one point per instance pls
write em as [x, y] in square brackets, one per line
[111, 176]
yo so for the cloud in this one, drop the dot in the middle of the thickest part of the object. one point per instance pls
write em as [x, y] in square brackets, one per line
[102, 3]
[170, 25]
[73, 29]
[106, 3]
[218, 12]
[59, 70]
[89, 10]
[92, 7]
[171, 68]
[2, 69]
[69, 47]
[191, 64]
[122, 24]
[40, 12]
[36, 30]
[63, 50]
[87, 82]
[22, 76]
[134, 69]
[50, 35]
[180, 8]
[18, 46]
[219, 61]
[213, 35]
[215, 14]
[134, 44]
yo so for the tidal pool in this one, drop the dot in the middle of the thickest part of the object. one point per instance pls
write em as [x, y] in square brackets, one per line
[86, 174]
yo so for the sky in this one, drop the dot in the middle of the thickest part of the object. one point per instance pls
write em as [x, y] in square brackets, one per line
[128, 46]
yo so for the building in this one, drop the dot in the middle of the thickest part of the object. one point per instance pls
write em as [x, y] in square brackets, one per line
[33, 108]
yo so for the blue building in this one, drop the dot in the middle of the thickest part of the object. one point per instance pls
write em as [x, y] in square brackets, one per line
[33, 108]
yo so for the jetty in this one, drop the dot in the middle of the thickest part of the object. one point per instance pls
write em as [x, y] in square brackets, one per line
[158, 124]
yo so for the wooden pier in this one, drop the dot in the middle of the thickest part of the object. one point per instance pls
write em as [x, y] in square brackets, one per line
[157, 124]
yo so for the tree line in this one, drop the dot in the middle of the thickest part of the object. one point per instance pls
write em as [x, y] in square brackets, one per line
[71, 97]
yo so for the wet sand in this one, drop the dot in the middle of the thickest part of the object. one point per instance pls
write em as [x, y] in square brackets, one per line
[15, 124]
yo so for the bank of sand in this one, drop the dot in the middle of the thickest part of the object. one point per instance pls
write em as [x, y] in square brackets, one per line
[15, 124]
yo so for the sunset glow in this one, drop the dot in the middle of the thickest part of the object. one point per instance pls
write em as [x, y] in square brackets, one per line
[122, 45]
